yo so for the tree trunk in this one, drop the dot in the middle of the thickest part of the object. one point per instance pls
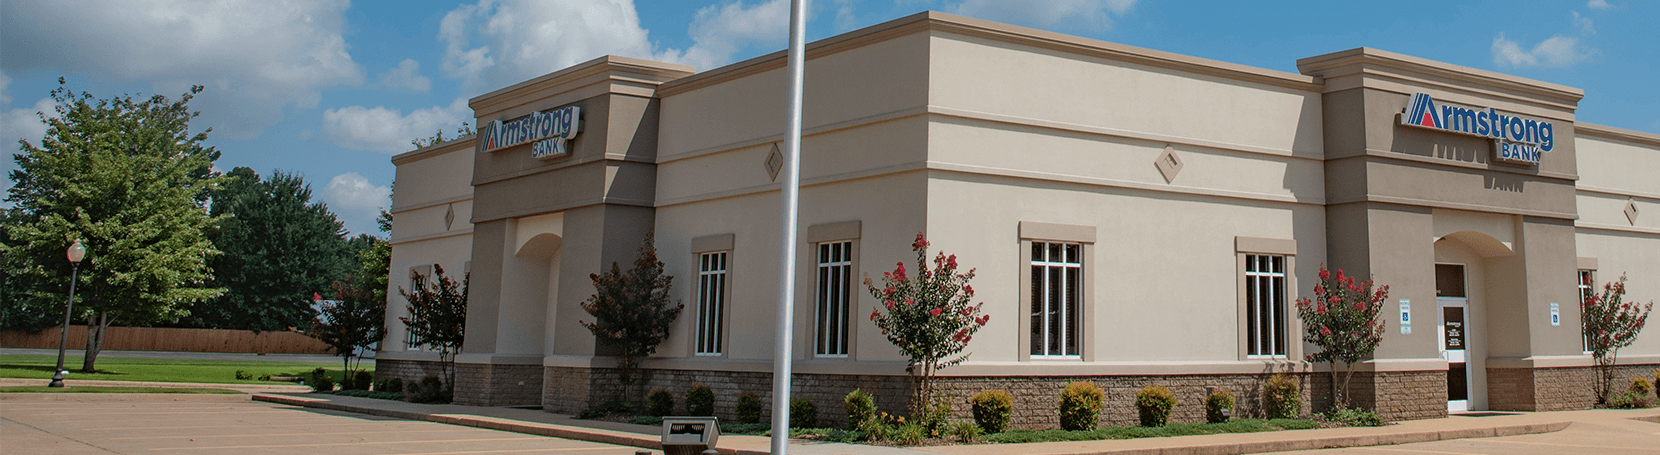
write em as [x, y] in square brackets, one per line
[1348, 374]
[1336, 393]
[96, 325]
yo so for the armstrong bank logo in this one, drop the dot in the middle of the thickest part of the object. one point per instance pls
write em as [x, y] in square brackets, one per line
[1515, 139]
[552, 131]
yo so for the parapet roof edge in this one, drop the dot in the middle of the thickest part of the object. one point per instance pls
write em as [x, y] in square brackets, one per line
[934, 20]
[1315, 65]
[659, 70]
[1605, 131]
[430, 150]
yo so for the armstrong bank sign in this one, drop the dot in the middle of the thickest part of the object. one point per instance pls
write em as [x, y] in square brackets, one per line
[1515, 140]
[551, 131]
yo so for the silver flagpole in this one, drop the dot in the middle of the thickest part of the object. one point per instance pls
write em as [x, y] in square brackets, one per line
[791, 196]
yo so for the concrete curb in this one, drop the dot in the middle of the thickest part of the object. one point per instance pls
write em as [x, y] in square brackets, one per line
[107, 397]
[638, 440]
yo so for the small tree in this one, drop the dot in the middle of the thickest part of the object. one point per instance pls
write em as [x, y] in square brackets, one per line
[438, 314]
[1342, 319]
[1610, 323]
[351, 323]
[631, 311]
[930, 316]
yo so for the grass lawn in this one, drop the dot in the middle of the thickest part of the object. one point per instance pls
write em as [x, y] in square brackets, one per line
[159, 370]
[45, 389]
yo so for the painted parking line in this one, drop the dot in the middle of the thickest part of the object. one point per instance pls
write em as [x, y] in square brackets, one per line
[294, 434]
[353, 444]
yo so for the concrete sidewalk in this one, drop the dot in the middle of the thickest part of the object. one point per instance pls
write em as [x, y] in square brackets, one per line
[244, 388]
[533, 421]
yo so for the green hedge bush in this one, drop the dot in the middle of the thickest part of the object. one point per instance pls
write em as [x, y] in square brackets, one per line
[749, 408]
[660, 402]
[700, 401]
[1215, 404]
[1284, 398]
[992, 409]
[320, 380]
[1081, 405]
[860, 406]
[1154, 404]
[803, 414]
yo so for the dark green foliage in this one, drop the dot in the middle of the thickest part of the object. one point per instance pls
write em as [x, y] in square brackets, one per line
[992, 409]
[965, 431]
[1283, 397]
[749, 408]
[656, 421]
[1354, 417]
[379, 395]
[1081, 405]
[391, 385]
[351, 324]
[280, 248]
[860, 406]
[361, 380]
[129, 179]
[1175, 429]
[746, 428]
[1153, 404]
[438, 314]
[589, 414]
[243, 375]
[803, 414]
[1216, 403]
[660, 402]
[933, 418]
[700, 401]
[320, 380]
[632, 311]
[428, 390]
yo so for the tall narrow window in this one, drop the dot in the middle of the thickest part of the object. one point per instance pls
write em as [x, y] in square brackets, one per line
[835, 264]
[1057, 290]
[1587, 288]
[1265, 305]
[711, 302]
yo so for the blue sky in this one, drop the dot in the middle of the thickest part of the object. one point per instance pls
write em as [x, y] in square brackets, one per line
[331, 89]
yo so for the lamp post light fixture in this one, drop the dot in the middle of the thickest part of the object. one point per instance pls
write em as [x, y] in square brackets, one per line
[76, 252]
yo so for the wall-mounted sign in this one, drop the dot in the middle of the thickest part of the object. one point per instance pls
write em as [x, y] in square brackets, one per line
[550, 130]
[1452, 326]
[1406, 317]
[1555, 314]
[1515, 140]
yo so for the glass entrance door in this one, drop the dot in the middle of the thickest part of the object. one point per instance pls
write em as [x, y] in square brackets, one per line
[1454, 344]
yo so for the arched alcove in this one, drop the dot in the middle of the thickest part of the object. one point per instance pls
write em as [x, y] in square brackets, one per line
[1482, 244]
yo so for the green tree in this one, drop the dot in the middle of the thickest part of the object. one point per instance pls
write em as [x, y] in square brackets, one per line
[631, 311]
[279, 248]
[931, 317]
[129, 179]
[1342, 319]
[351, 323]
[438, 314]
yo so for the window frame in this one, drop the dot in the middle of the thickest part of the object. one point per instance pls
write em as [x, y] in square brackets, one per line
[1067, 312]
[839, 268]
[1585, 293]
[720, 294]
[1255, 323]
[710, 244]
[1244, 248]
[410, 341]
[1031, 232]
[806, 291]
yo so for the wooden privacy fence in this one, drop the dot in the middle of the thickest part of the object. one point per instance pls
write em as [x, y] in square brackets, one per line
[165, 339]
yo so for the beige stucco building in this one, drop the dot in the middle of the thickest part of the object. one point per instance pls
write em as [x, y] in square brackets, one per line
[1136, 218]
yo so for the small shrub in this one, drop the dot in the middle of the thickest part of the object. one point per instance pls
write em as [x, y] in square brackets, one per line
[244, 376]
[655, 421]
[992, 409]
[1640, 385]
[1216, 403]
[803, 414]
[320, 380]
[1081, 406]
[362, 380]
[1154, 404]
[660, 402]
[908, 433]
[965, 431]
[933, 418]
[1284, 399]
[700, 401]
[393, 385]
[1354, 417]
[877, 428]
[861, 407]
[1629, 399]
[749, 408]
[589, 414]
[428, 390]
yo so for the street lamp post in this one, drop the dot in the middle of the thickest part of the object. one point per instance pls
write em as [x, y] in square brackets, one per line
[76, 252]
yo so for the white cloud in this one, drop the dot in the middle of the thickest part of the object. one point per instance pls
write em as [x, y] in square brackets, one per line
[1555, 52]
[496, 43]
[1597, 4]
[1081, 14]
[844, 16]
[1583, 24]
[356, 201]
[15, 125]
[5, 84]
[387, 130]
[254, 58]
[406, 76]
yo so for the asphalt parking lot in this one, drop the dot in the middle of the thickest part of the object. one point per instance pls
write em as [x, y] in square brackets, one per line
[209, 424]
[1610, 435]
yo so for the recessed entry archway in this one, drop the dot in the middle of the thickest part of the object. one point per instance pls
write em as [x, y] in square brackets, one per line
[1464, 261]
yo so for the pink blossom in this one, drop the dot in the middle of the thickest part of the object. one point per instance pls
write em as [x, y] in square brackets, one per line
[935, 312]
[1324, 274]
[920, 243]
[969, 290]
[910, 302]
[951, 261]
[889, 303]
[872, 315]
[1325, 331]
[899, 272]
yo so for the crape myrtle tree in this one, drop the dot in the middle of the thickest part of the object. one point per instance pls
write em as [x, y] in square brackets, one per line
[438, 315]
[280, 248]
[1610, 323]
[1342, 319]
[632, 310]
[129, 179]
[355, 321]
[931, 316]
